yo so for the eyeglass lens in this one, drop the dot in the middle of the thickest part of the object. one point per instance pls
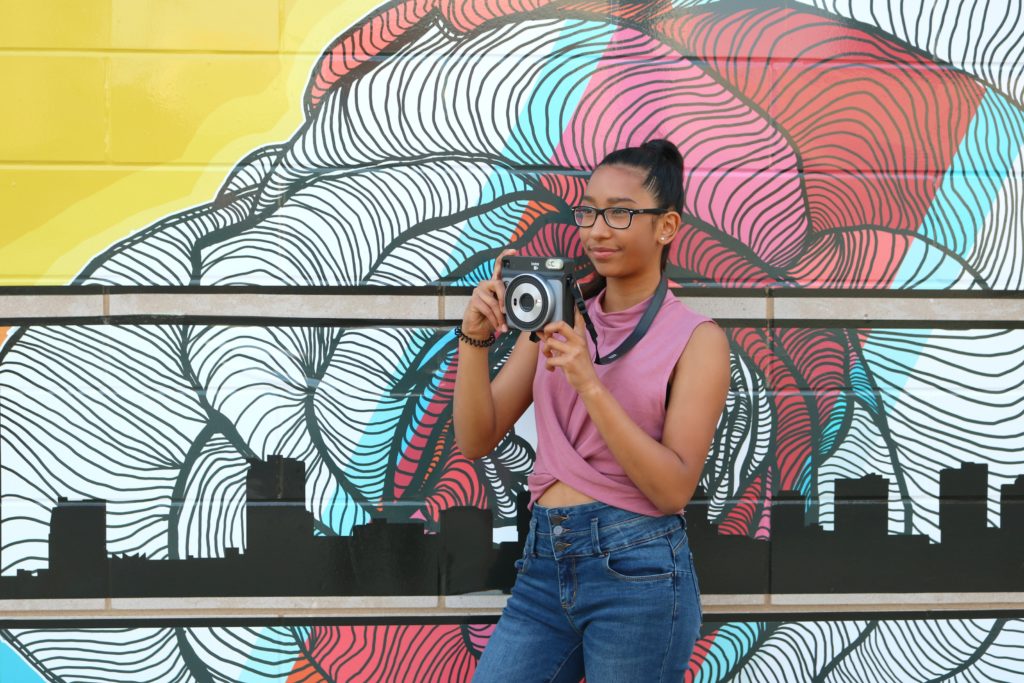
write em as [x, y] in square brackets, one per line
[615, 217]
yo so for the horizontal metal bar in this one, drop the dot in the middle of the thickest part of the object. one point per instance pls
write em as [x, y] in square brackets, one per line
[784, 606]
[112, 306]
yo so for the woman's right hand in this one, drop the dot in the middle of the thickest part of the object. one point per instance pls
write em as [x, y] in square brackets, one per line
[485, 313]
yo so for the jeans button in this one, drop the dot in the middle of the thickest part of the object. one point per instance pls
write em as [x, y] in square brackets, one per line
[558, 530]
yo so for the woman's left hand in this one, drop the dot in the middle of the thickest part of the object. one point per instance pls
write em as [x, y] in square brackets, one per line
[566, 347]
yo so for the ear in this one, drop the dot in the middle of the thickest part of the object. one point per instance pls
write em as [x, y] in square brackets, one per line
[668, 227]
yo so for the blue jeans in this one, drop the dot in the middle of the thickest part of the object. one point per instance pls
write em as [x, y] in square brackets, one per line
[599, 591]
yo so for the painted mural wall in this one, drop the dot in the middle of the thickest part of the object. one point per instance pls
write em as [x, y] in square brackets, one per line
[830, 145]
[754, 651]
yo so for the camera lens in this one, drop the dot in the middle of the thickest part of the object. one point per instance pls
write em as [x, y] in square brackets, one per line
[528, 298]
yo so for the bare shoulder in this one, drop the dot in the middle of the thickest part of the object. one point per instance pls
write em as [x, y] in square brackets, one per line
[698, 394]
[707, 339]
[706, 353]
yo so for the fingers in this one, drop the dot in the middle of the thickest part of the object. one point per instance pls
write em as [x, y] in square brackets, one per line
[497, 263]
[561, 327]
[555, 345]
[546, 350]
[549, 352]
[499, 288]
[488, 300]
[558, 359]
[499, 294]
[486, 303]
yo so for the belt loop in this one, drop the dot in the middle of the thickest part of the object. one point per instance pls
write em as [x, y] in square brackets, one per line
[531, 538]
[595, 537]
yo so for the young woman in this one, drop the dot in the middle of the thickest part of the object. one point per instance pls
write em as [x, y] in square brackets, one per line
[606, 585]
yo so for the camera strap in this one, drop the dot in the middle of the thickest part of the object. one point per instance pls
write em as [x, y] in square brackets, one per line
[638, 332]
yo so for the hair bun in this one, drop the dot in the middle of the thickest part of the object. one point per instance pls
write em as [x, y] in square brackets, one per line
[663, 164]
[664, 148]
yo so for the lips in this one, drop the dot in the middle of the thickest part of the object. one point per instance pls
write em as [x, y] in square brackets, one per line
[601, 253]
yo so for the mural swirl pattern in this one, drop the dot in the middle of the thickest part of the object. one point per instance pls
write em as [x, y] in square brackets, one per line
[827, 146]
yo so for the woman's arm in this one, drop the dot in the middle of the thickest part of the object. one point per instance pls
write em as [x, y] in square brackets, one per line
[483, 411]
[666, 472]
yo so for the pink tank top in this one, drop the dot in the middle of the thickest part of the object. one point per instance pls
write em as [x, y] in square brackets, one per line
[569, 446]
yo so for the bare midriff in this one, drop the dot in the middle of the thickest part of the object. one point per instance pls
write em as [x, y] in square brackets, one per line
[561, 494]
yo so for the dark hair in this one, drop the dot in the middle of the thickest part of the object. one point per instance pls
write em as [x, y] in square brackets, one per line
[664, 165]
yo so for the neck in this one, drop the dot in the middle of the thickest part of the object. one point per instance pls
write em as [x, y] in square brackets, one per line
[623, 293]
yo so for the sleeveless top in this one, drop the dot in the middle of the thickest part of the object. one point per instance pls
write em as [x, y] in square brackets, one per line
[569, 446]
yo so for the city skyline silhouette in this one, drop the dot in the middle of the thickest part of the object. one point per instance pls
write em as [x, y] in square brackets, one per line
[283, 556]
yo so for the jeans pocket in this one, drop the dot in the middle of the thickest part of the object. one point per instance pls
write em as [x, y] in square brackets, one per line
[650, 560]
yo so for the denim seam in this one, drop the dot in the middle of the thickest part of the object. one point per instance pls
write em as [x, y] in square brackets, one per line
[639, 579]
[605, 550]
[637, 519]
[672, 625]
[565, 661]
[634, 542]
[679, 543]
[696, 590]
[572, 600]
[575, 584]
[641, 519]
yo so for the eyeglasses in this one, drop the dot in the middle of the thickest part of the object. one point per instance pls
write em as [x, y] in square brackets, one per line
[615, 217]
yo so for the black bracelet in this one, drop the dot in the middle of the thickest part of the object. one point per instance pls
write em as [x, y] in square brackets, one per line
[480, 343]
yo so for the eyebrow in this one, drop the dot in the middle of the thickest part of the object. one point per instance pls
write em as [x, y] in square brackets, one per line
[612, 200]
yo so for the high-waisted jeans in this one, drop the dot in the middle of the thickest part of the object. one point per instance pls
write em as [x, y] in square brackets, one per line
[599, 591]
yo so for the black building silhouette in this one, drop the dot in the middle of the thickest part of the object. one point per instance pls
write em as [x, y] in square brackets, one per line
[390, 557]
[77, 544]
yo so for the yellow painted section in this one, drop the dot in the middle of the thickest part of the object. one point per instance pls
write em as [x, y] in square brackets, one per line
[149, 87]
[85, 210]
[196, 25]
[35, 124]
[125, 111]
[41, 24]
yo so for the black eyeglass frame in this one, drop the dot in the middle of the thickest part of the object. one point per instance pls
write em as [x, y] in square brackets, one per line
[600, 212]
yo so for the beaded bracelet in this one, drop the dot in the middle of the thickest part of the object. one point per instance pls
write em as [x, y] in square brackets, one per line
[480, 343]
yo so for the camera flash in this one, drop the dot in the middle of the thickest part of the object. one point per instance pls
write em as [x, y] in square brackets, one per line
[553, 263]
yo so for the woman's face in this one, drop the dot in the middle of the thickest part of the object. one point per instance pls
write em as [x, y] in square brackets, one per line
[637, 249]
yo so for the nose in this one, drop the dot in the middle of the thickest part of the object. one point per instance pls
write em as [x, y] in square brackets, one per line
[600, 221]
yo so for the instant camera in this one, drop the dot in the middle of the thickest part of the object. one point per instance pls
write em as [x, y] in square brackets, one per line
[538, 291]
